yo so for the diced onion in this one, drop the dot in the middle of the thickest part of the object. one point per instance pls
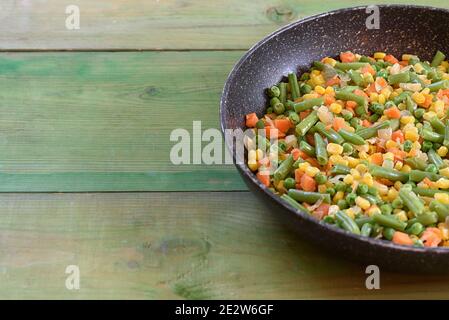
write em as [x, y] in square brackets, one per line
[316, 205]
[411, 86]
[385, 134]
[291, 141]
[325, 115]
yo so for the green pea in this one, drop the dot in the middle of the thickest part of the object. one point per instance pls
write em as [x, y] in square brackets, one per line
[372, 191]
[397, 203]
[329, 219]
[260, 124]
[340, 186]
[388, 233]
[305, 89]
[426, 146]
[347, 148]
[431, 168]
[293, 116]
[347, 115]
[331, 191]
[350, 199]
[269, 110]
[279, 108]
[274, 101]
[407, 145]
[419, 113]
[274, 91]
[342, 204]
[362, 189]
[386, 209]
[320, 178]
[289, 183]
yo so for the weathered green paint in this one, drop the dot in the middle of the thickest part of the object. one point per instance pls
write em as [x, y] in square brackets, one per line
[173, 245]
[102, 121]
[159, 25]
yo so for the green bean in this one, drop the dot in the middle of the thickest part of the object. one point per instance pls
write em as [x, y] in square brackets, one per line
[410, 104]
[390, 174]
[401, 97]
[370, 132]
[416, 163]
[416, 229]
[427, 218]
[307, 123]
[349, 96]
[318, 65]
[307, 148]
[283, 92]
[345, 66]
[403, 77]
[446, 136]
[443, 84]
[347, 223]
[362, 220]
[437, 59]
[432, 136]
[416, 79]
[338, 169]
[389, 221]
[294, 203]
[438, 125]
[388, 233]
[435, 158]
[284, 168]
[320, 149]
[351, 137]
[356, 77]
[427, 192]
[305, 105]
[418, 176]
[394, 124]
[309, 197]
[441, 209]
[366, 230]
[330, 133]
[294, 87]
[411, 201]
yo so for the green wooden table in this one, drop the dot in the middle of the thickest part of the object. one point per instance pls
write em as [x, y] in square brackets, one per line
[85, 175]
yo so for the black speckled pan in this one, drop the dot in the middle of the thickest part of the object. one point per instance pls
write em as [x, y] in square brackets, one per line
[403, 29]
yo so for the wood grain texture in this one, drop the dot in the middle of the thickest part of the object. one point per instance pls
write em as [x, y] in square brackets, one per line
[156, 24]
[102, 121]
[173, 246]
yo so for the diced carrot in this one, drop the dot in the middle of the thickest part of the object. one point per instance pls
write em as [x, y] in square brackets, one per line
[393, 113]
[369, 69]
[402, 238]
[271, 132]
[312, 161]
[264, 162]
[371, 88]
[391, 59]
[264, 177]
[308, 183]
[283, 125]
[351, 104]
[432, 237]
[321, 211]
[298, 175]
[427, 102]
[377, 158]
[333, 81]
[403, 63]
[339, 123]
[296, 153]
[304, 114]
[398, 154]
[366, 123]
[381, 82]
[428, 181]
[310, 139]
[347, 56]
[328, 99]
[398, 136]
[360, 93]
[251, 120]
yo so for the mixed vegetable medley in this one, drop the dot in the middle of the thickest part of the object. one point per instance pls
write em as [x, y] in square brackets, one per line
[362, 144]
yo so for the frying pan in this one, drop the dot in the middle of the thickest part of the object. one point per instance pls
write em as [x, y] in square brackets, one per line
[402, 29]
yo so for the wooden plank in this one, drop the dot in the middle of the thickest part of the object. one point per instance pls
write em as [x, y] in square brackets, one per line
[102, 121]
[156, 25]
[170, 246]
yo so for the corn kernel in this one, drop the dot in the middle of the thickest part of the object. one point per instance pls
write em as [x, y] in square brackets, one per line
[401, 215]
[259, 154]
[382, 99]
[444, 230]
[418, 67]
[348, 179]
[350, 213]
[362, 203]
[373, 210]
[442, 151]
[355, 174]
[320, 90]
[397, 185]
[442, 197]
[406, 168]
[398, 165]
[418, 97]
[373, 96]
[386, 92]
[329, 90]
[252, 164]
[353, 162]
[330, 61]
[379, 55]
[406, 57]
[383, 189]
[392, 194]
[363, 155]
[252, 155]
[338, 196]
[390, 144]
[303, 166]
[411, 135]
[335, 108]
[361, 168]
[429, 115]
[322, 188]
[442, 183]
[312, 171]
[337, 159]
[316, 72]
[368, 179]
[445, 172]
[425, 91]
[407, 119]
[317, 80]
